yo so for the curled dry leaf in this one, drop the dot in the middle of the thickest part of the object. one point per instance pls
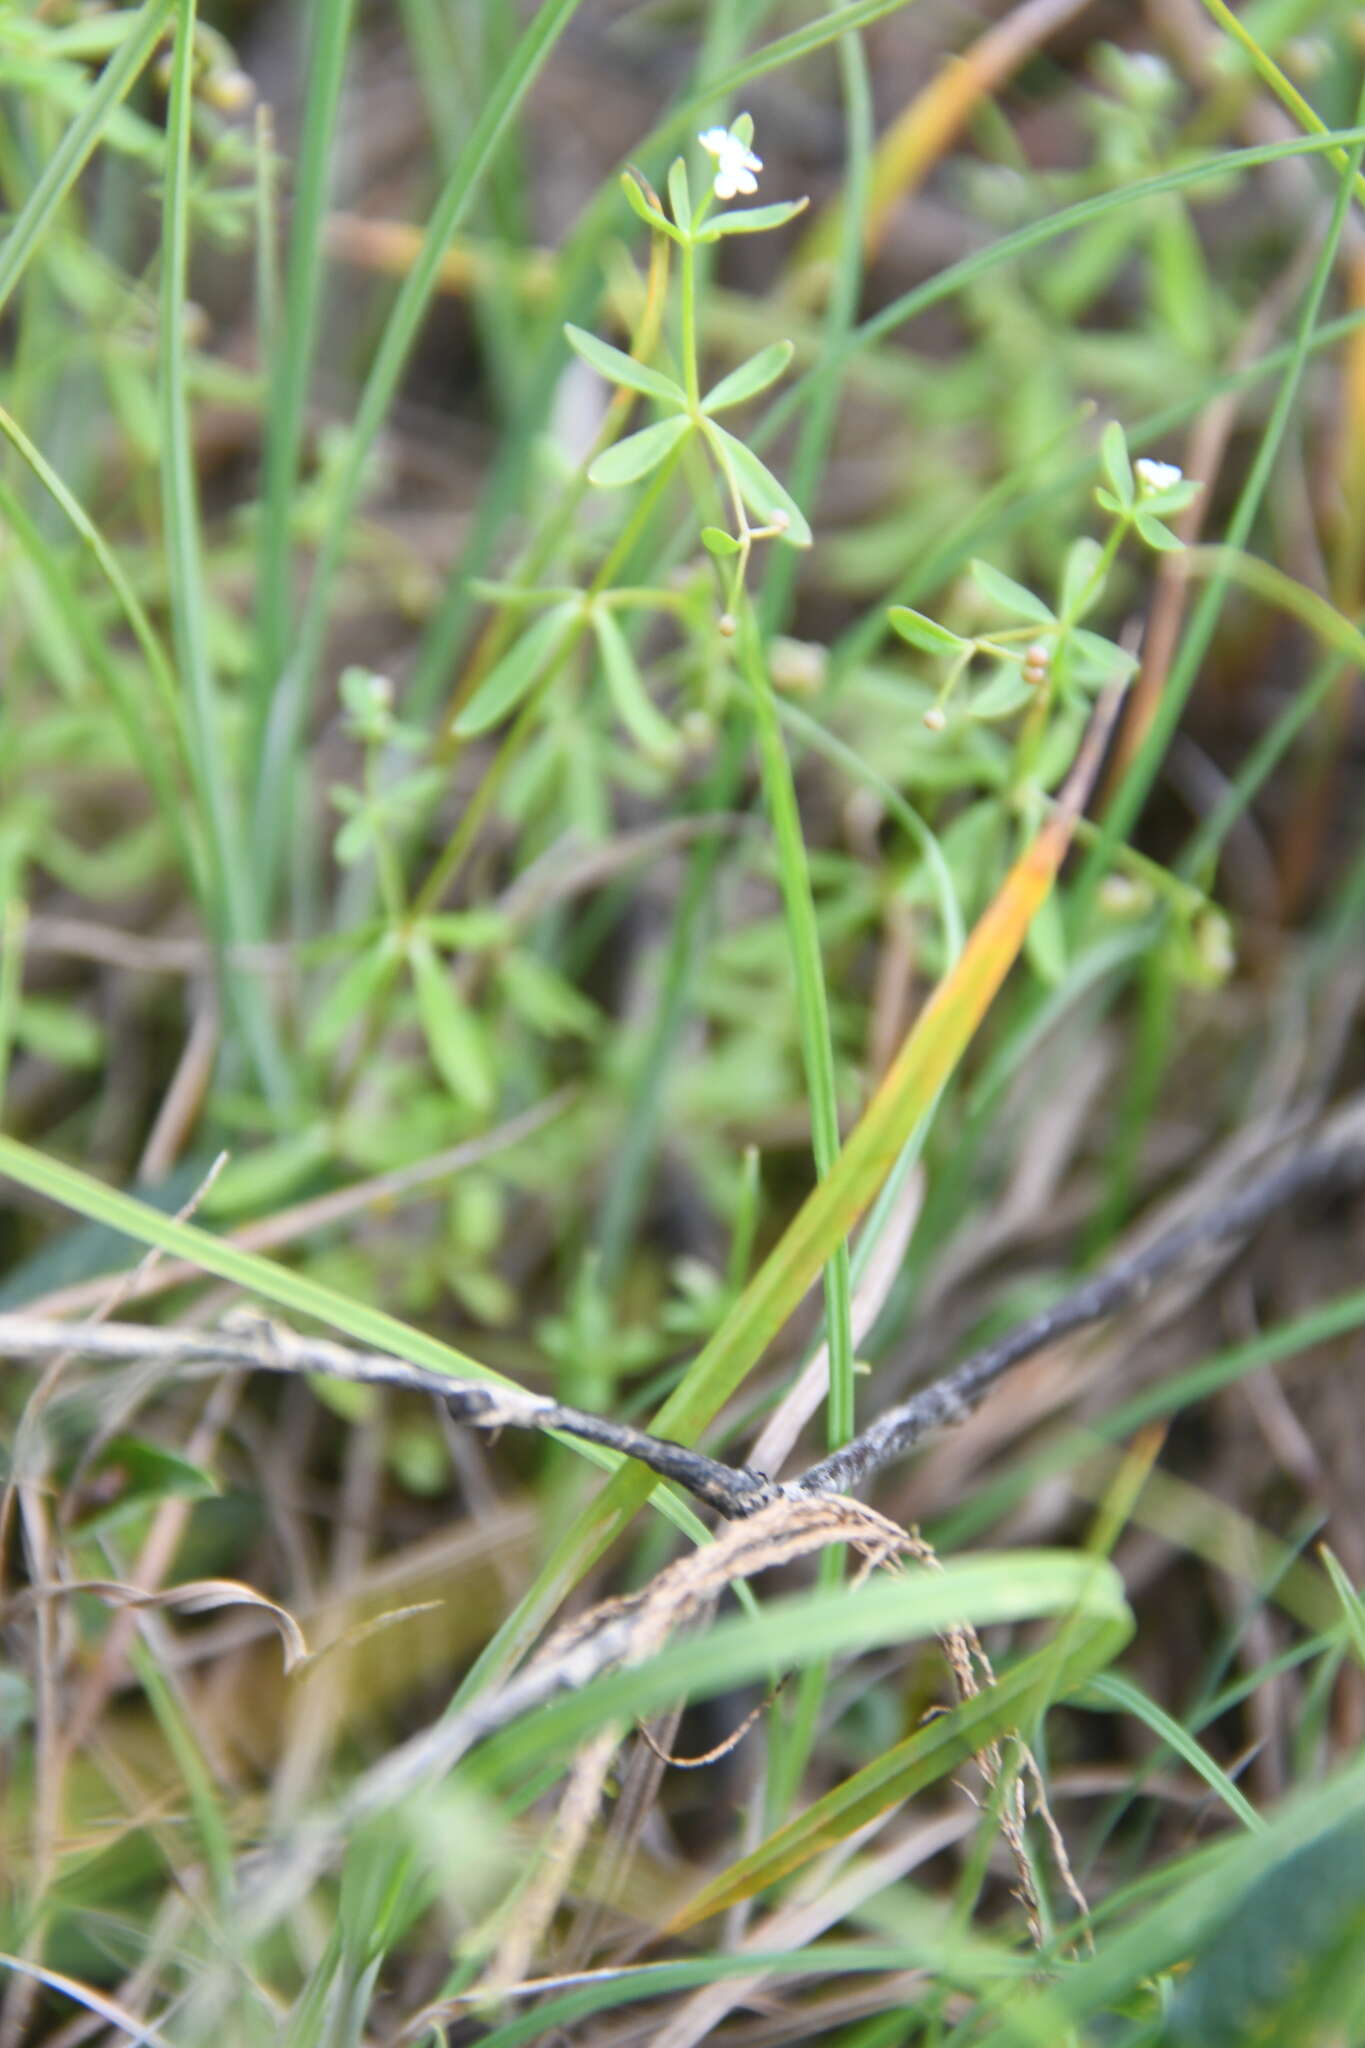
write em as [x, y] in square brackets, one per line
[197, 1596]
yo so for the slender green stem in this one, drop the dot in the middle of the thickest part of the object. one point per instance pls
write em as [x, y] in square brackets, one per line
[80, 141]
[235, 920]
[811, 1001]
[291, 356]
[687, 291]
[295, 684]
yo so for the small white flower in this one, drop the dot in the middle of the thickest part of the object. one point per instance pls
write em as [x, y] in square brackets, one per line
[735, 163]
[1157, 476]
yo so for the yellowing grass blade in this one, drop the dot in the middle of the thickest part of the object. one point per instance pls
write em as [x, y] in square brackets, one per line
[935, 1045]
[931, 1753]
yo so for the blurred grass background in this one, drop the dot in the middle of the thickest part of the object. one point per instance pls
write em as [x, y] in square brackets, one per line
[501, 1033]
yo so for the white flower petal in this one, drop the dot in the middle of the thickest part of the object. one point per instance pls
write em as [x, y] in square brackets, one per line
[736, 163]
[1157, 476]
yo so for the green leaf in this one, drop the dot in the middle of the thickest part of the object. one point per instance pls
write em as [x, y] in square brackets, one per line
[549, 1003]
[418, 1458]
[470, 930]
[519, 670]
[751, 220]
[1183, 293]
[454, 1038]
[718, 542]
[924, 633]
[1009, 595]
[150, 1471]
[679, 196]
[750, 378]
[1156, 535]
[1116, 466]
[638, 454]
[1045, 943]
[262, 1179]
[1001, 695]
[1082, 560]
[354, 990]
[641, 205]
[1112, 662]
[619, 368]
[646, 726]
[1285, 1964]
[1352, 1607]
[1174, 498]
[57, 1031]
[805, 1628]
[758, 487]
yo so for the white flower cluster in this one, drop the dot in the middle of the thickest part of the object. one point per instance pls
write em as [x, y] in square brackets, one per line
[736, 164]
[1157, 476]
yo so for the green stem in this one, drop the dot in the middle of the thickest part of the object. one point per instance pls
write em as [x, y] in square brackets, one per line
[235, 920]
[687, 273]
[812, 1003]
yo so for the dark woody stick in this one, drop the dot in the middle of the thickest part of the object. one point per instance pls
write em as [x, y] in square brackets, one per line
[255, 1342]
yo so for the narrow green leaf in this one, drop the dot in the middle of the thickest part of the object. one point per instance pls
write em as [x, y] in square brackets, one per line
[454, 1039]
[1103, 656]
[1009, 595]
[358, 987]
[718, 542]
[472, 931]
[751, 220]
[651, 731]
[517, 673]
[929, 1754]
[1082, 560]
[924, 633]
[1156, 535]
[65, 163]
[750, 378]
[262, 1179]
[1045, 943]
[808, 1627]
[619, 368]
[627, 461]
[758, 487]
[1116, 466]
[679, 196]
[641, 205]
[1183, 293]
[57, 1031]
[1111, 1689]
[549, 1003]
[151, 1471]
[1352, 1606]
[1001, 695]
